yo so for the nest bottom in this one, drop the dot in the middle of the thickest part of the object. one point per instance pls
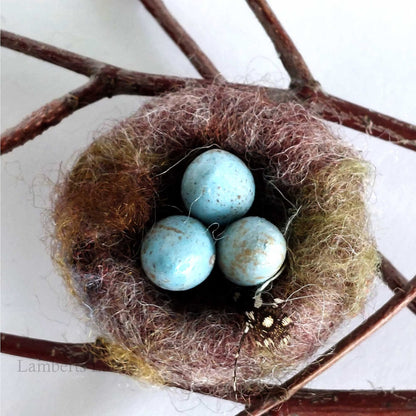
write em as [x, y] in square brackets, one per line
[129, 177]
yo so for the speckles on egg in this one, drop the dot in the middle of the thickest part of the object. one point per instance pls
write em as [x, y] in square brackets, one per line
[251, 251]
[217, 187]
[178, 253]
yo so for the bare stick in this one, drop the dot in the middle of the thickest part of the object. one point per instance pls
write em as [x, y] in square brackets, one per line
[63, 58]
[349, 403]
[315, 402]
[360, 118]
[282, 393]
[109, 81]
[395, 280]
[56, 352]
[121, 81]
[291, 58]
[105, 81]
[51, 114]
[124, 81]
[327, 106]
[187, 45]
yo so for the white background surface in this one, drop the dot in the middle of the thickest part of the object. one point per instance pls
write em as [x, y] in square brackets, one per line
[362, 51]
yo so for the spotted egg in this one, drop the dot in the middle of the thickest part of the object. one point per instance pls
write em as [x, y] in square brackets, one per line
[217, 187]
[251, 251]
[178, 253]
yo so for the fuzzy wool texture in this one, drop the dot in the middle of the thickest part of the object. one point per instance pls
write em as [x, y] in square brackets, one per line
[308, 182]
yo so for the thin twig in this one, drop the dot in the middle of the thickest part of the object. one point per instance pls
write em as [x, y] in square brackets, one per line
[121, 81]
[291, 59]
[395, 280]
[187, 45]
[315, 402]
[325, 105]
[349, 403]
[109, 81]
[51, 114]
[56, 352]
[359, 118]
[282, 393]
[63, 58]
[105, 81]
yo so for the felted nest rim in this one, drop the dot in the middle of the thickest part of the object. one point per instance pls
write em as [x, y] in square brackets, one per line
[129, 177]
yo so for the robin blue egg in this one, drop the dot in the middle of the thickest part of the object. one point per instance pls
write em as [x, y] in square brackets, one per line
[217, 187]
[178, 253]
[251, 251]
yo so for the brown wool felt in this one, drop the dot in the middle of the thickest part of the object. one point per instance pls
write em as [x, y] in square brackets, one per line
[308, 182]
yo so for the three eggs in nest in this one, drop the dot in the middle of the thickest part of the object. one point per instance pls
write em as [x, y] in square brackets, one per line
[179, 252]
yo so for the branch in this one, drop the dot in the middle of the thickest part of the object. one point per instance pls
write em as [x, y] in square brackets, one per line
[348, 403]
[395, 280]
[289, 55]
[56, 352]
[187, 45]
[325, 105]
[51, 114]
[282, 393]
[105, 81]
[110, 81]
[305, 402]
[63, 58]
[360, 118]
[121, 81]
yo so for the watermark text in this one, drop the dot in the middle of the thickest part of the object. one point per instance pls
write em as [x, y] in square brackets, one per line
[47, 367]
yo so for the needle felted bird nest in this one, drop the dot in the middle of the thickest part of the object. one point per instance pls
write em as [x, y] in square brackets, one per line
[307, 182]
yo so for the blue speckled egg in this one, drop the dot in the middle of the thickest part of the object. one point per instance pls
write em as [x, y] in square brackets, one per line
[251, 251]
[217, 187]
[178, 253]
